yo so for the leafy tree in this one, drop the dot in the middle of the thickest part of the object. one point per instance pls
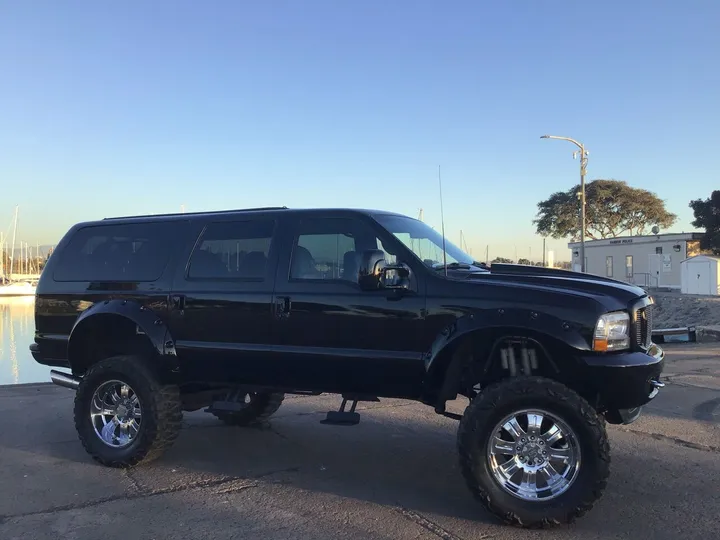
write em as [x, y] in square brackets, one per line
[501, 260]
[611, 209]
[707, 216]
[524, 261]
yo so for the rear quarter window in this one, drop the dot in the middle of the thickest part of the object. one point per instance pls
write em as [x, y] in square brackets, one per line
[117, 252]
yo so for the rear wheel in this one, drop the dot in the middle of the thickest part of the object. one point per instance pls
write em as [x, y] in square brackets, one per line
[254, 407]
[123, 415]
[533, 452]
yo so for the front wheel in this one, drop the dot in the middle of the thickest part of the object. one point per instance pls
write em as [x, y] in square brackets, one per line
[533, 452]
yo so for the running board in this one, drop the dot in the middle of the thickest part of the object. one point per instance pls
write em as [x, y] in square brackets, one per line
[342, 417]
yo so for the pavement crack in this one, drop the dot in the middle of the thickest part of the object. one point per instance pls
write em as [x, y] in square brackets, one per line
[142, 493]
[234, 489]
[131, 479]
[674, 440]
[430, 525]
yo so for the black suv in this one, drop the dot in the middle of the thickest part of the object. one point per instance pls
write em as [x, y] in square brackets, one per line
[230, 311]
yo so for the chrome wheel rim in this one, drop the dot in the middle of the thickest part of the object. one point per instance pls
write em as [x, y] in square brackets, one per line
[116, 414]
[534, 455]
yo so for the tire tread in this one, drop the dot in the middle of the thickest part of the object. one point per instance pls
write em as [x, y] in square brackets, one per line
[164, 406]
[521, 387]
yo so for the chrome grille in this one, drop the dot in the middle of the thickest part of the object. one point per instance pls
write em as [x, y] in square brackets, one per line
[643, 326]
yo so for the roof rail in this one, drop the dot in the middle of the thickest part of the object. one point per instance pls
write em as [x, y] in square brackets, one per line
[211, 212]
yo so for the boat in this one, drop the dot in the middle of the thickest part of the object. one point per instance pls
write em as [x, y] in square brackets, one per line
[12, 284]
[17, 288]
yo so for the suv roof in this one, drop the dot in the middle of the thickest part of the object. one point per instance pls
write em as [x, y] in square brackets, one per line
[269, 209]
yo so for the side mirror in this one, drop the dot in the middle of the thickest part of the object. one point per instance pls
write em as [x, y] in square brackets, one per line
[375, 274]
[371, 264]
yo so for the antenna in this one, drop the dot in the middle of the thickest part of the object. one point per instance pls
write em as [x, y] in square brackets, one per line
[442, 221]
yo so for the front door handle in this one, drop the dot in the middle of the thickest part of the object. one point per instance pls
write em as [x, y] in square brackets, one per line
[282, 307]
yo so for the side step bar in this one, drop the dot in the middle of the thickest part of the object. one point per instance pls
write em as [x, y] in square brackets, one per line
[65, 380]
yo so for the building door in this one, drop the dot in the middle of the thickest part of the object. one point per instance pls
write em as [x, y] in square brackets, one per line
[699, 278]
[655, 266]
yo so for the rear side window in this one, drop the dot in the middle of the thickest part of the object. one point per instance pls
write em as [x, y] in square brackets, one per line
[233, 250]
[117, 252]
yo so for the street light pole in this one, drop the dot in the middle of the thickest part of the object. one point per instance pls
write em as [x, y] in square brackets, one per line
[583, 168]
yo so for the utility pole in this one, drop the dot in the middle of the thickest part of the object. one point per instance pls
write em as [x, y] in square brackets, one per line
[583, 168]
[544, 252]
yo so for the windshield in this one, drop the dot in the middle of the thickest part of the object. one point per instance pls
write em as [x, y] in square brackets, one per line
[424, 241]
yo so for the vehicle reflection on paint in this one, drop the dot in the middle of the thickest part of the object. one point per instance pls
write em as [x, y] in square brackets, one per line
[17, 328]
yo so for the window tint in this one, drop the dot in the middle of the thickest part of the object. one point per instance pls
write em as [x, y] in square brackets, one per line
[118, 252]
[233, 250]
[330, 249]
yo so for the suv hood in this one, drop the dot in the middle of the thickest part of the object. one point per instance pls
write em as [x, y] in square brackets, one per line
[553, 278]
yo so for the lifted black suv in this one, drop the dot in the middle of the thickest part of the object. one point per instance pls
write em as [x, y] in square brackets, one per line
[231, 310]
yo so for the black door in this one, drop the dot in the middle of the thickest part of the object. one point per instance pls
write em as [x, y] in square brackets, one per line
[221, 316]
[333, 335]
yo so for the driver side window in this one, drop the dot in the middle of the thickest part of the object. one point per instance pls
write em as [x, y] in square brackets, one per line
[329, 249]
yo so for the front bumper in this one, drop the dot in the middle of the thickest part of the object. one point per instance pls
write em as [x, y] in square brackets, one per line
[626, 381]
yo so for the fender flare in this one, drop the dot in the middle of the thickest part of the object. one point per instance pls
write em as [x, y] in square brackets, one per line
[448, 355]
[147, 321]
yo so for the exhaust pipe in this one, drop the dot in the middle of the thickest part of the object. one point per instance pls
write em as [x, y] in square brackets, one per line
[64, 379]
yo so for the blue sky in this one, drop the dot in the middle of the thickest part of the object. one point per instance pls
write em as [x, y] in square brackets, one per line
[113, 108]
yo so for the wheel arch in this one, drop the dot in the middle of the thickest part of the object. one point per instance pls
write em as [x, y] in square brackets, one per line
[115, 327]
[469, 343]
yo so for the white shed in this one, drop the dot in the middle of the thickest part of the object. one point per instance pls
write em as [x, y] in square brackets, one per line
[700, 275]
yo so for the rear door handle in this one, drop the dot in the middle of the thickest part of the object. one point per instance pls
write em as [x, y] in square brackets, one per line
[282, 307]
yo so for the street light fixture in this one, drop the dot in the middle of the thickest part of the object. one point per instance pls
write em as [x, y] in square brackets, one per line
[583, 166]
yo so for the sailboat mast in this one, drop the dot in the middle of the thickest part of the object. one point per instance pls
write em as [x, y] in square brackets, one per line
[12, 246]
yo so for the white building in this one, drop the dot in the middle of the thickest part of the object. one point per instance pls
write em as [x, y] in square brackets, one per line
[648, 261]
[701, 275]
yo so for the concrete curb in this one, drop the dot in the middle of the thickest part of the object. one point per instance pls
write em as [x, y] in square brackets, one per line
[699, 334]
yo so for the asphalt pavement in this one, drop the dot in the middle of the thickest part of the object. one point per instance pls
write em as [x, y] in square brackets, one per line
[394, 476]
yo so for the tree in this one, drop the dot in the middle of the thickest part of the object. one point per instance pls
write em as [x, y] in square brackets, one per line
[611, 209]
[524, 261]
[707, 216]
[501, 260]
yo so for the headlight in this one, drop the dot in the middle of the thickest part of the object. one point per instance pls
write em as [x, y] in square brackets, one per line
[612, 332]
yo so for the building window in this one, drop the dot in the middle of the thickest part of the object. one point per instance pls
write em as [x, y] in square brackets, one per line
[609, 266]
[658, 250]
[628, 266]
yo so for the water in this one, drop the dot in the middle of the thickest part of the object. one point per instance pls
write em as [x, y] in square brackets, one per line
[17, 329]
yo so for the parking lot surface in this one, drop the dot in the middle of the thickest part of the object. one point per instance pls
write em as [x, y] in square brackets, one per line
[394, 476]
